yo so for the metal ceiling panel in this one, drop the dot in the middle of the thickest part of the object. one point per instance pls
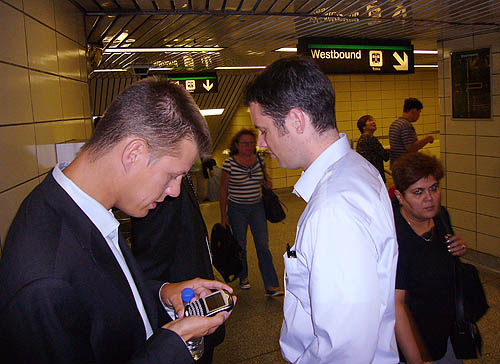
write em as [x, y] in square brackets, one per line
[251, 30]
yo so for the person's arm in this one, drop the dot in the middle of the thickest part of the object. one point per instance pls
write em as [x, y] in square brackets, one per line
[385, 154]
[344, 290]
[224, 190]
[419, 144]
[405, 330]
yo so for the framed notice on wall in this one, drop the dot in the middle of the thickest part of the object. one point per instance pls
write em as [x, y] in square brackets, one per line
[471, 84]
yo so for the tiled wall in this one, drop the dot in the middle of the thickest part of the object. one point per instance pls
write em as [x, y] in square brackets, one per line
[44, 94]
[470, 150]
[356, 95]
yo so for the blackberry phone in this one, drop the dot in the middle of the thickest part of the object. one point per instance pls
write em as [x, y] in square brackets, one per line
[210, 305]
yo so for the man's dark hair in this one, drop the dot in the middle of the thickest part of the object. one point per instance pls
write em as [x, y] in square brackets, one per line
[362, 122]
[159, 112]
[294, 82]
[411, 167]
[233, 149]
[412, 103]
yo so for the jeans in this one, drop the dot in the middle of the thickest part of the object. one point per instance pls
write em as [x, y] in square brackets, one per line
[242, 215]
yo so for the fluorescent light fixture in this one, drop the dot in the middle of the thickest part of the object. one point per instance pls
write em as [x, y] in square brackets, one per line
[416, 51]
[420, 51]
[239, 67]
[211, 112]
[110, 70]
[158, 50]
[161, 69]
[426, 66]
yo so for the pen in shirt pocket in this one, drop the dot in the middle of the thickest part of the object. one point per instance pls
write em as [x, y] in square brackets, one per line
[289, 252]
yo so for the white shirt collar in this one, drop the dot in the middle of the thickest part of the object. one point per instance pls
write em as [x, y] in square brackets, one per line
[103, 219]
[310, 178]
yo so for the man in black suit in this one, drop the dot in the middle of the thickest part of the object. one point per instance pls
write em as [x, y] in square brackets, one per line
[71, 290]
[171, 244]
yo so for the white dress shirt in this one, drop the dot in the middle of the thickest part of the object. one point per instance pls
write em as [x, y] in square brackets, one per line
[106, 223]
[339, 301]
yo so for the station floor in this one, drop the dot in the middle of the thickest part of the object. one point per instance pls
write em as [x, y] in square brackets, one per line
[252, 331]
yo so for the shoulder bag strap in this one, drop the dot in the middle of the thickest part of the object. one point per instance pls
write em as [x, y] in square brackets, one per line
[262, 167]
[459, 290]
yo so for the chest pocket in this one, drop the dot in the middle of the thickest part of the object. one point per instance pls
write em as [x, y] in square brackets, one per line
[297, 279]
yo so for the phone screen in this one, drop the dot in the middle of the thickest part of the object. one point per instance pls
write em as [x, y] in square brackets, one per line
[214, 302]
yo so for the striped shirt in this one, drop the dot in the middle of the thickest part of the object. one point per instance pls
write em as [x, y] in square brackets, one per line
[244, 182]
[401, 134]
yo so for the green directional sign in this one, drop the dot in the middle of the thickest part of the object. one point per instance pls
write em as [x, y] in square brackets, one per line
[196, 82]
[336, 55]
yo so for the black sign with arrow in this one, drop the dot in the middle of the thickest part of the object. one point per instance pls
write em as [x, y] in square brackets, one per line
[336, 55]
[196, 82]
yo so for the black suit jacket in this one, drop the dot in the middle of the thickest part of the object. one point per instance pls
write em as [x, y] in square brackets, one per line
[65, 299]
[170, 245]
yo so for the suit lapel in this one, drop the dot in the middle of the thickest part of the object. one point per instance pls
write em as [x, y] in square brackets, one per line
[148, 299]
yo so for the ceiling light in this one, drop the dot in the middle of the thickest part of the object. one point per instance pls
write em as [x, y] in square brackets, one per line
[211, 112]
[161, 69]
[286, 50]
[110, 70]
[419, 51]
[239, 67]
[426, 66]
[157, 50]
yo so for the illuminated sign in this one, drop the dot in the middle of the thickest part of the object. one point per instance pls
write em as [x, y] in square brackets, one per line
[335, 55]
[195, 82]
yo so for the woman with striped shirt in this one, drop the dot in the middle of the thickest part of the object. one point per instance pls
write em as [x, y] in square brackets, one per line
[241, 205]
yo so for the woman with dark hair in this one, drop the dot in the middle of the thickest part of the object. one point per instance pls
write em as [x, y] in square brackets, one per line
[369, 146]
[241, 205]
[425, 303]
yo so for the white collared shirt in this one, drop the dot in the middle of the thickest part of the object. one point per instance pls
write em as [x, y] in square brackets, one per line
[339, 302]
[106, 223]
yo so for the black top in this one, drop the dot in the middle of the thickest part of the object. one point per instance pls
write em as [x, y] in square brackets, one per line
[425, 271]
[371, 149]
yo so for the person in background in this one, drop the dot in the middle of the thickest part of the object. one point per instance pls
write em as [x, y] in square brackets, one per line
[402, 136]
[369, 146]
[72, 291]
[171, 245]
[425, 301]
[241, 206]
[339, 300]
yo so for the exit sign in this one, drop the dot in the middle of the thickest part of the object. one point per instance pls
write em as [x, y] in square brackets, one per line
[339, 55]
[195, 82]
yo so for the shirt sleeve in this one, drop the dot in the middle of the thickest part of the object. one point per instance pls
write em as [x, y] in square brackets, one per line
[343, 284]
[226, 166]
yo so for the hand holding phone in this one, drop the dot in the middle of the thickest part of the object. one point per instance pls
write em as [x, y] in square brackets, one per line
[210, 305]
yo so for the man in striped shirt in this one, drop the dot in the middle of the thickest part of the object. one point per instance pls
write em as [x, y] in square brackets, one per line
[402, 136]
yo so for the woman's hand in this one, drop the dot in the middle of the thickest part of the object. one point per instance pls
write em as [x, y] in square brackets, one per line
[456, 245]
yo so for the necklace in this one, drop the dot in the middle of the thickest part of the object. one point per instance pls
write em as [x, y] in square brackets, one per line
[427, 236]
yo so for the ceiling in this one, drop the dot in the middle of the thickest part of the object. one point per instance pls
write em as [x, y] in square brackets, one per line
[249, 31]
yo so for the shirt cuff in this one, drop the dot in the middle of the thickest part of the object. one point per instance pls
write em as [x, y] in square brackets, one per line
[171, 312]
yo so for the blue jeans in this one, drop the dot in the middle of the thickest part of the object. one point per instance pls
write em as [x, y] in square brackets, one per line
[242, 215]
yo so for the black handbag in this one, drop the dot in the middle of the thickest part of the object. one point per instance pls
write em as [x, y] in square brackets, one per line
[272, 204]
[227, 255]
[470, 304]
[465, 336]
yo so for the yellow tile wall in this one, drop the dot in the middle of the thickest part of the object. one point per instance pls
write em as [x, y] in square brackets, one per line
[44, 94]
[472, 152]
